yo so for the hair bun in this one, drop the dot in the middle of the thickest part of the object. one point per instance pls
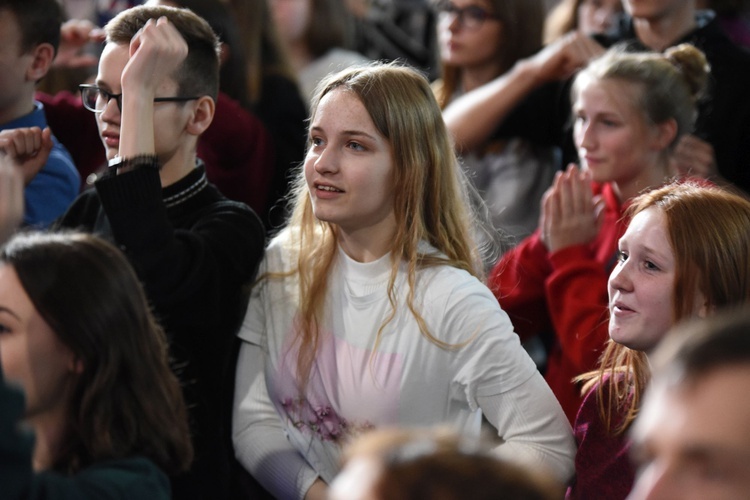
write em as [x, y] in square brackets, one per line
[693, 65]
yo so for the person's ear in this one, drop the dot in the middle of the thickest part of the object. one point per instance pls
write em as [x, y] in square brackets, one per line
[665, 134]
[202, 115]
[42, 56]
[703, 307]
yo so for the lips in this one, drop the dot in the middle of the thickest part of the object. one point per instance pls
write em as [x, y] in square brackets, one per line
[590, 160]
[111, 139]
[618, 309]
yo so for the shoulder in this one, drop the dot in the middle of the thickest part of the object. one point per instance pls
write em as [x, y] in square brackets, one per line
[127, 478]
[450, 296]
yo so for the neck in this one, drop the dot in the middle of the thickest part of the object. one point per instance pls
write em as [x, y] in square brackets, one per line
[661, 32]
[299, 56]
[49, 433]
[20, 107]
[654, 176]
[176, 167]
[369, 244]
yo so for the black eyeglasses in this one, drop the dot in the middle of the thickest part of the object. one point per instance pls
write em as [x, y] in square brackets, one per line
[96, 99]
[470, 17]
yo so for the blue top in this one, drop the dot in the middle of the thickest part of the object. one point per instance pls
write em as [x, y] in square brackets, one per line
[55, 187]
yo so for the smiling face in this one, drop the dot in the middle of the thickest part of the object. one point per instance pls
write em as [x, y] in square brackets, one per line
[32, 355]
[349, 168]
[613, 137]
[641, 286]
[466, 47]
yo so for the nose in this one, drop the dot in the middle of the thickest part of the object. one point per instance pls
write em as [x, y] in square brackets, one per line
[325, 160]
[111, 111]
[455, 22]
[619, 279]
[603, 18]
[585, 136]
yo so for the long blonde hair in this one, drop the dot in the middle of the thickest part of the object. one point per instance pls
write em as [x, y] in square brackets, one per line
[709, 231]
[430, 201]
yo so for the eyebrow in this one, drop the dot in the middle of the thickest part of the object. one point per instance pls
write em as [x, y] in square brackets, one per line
[6, 310]
[704, 452]
[103, 85]
[349, 133]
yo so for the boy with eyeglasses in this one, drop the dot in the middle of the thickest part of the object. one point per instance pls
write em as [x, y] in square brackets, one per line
[194, 250]
[29, 37]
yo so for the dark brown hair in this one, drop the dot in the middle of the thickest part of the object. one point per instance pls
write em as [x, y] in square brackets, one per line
[199, 73]
[126, 401]
[38, 21]
[521, 37]
[429, 464]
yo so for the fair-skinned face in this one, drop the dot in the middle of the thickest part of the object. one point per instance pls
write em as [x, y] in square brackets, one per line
[475, 49]
[16, 91]
[597, 16]
[657, 10]
[170, 118]
[693, 442]
[349, 171]
[32, 356]
[292, 18]
[641, 286]
[614, 140]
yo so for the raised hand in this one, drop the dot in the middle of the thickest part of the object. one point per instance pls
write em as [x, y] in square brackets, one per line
[75, 34]
[570, 215]
[26, 150]
[695, 157]
[156, 51]
[559, 60]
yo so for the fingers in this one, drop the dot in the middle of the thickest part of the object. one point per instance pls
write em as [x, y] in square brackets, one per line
[579, 49]
[75, 34]
[21, 142]
[694, 156]
[79, 32]
[26, 149]
[156, 51]
[575, 192]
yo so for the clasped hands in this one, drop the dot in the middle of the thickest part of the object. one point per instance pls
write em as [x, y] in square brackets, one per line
[571, 214]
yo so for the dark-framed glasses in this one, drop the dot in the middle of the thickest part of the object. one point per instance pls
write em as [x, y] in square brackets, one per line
[96, 98]
[470, 17]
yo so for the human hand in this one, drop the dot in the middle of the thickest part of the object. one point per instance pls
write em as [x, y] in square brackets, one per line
[26, 150]
[11, 199]
[562, 58]
[694, 157]
[318, 491]
[156, 51]
[570, 214]
[75, 34]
